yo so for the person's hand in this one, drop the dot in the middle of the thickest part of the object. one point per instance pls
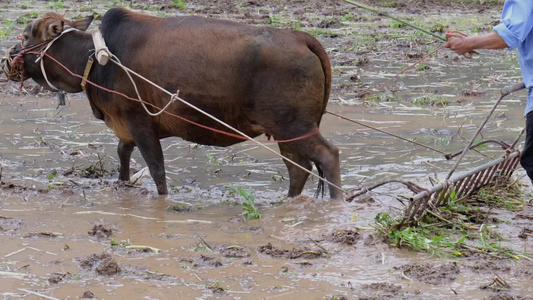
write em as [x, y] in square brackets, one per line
[460, 45]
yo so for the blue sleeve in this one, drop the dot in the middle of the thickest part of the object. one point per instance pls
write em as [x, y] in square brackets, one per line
[516, 22]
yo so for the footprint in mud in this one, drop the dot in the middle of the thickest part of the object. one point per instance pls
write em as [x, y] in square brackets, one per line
[430, 273]
[294, 253]
[103, 264]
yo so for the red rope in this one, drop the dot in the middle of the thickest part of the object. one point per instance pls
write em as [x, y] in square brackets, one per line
[311, 133]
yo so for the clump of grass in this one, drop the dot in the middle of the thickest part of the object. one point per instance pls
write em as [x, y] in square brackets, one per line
[431, 100]
[6, 29]
[422, 67]
[458, 228]
[179, 208]
[249, 211]
[439, 27]
[383, 97]
[216, 287]
[56, 5]
[26, 18]
[506, 196]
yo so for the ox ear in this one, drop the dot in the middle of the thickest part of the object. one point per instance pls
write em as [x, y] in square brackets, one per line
[35, 26]
[55, 28]
[83, 23]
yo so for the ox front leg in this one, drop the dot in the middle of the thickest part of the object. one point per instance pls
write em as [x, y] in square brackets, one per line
[124, 155]
[150, 148]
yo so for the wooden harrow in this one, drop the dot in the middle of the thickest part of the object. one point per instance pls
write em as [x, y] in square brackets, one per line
[461, 185]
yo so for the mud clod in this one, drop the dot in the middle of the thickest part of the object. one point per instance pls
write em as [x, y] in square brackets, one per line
[100, 232]
[233, 251]
[431, 274]
[58, 277]
[525, 233]
[103, 264]
[88, 295]
[345, 236]
[304, 252]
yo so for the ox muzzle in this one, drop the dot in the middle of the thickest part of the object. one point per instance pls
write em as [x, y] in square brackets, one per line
[12, 63]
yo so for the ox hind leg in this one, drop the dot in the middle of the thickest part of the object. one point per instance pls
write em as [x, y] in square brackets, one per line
[297, 176]
[326, 158]
[124, 155]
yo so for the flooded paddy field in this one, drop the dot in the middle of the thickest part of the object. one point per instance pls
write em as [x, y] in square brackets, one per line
[68, 229]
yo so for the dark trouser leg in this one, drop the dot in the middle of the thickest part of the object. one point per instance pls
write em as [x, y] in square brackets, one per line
[526, 159]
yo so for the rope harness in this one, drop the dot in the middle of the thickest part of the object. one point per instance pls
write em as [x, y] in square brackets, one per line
[17, 66]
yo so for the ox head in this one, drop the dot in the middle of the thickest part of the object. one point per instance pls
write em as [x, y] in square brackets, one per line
[19, 62]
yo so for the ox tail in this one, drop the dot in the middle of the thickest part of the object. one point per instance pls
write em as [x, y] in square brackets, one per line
[314, 45]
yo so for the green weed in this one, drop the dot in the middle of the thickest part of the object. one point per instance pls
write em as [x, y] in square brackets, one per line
[421, 67]
[249, 211]
[438, 27]
[431, 100]
[115, 243]
[347, 17]
[7, 28]
[397, 25]
[275, 20]
[383, 97]
[178, 4]
[26, 18]
[457, 228]
[318, 31]
[216, 287]
[179, 208]
[211, 159]
[56, 5]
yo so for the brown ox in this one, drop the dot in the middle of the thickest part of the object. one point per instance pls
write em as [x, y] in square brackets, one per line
[257, 79]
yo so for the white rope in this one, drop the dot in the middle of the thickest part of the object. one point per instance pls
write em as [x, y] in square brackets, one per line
[174, 97]
[40, 58]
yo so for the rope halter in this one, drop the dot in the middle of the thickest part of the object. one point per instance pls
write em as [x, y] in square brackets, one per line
[43, 52]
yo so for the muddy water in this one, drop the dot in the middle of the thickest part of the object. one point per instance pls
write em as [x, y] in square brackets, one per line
[48, 207]
[39, 139]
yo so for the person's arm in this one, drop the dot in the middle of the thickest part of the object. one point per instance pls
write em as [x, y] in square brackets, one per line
[462, 45]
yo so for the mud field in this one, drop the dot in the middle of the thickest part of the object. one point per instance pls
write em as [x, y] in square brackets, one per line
[69, 230]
